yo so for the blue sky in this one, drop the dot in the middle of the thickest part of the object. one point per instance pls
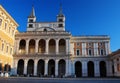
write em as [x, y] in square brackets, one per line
[83, 17]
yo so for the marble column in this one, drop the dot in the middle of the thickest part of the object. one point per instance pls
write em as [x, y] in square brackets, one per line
[56, 68]
[27, 46]
[96, 49]
[47, 46]
[46, 67]
[57, 46]
[36, 45]
[17, 46]
[97, 69]
[25, 66]
[84, 69]
[83, 49]
[67, 46]
[109, 68]
[35, 67]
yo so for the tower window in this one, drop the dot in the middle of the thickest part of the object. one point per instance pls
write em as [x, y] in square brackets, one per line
[60, 20]
[31, 20]
[30, 26]
[60, 25]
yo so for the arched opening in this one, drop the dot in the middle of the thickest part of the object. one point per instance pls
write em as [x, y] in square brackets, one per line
[40, 67]
[32, 46]
[78, 69]
[51, 67]
[52, 46]
[30, 67]
[90, 66]
[102, 69]
[41, 48]
[7, 68]
[62, 46]
[20, 67]
[22, 46]
[61, 67]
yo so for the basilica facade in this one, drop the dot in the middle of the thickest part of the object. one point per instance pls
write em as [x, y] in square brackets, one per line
[47, 49]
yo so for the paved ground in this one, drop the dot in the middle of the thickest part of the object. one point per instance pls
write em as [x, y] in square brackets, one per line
[59, 80]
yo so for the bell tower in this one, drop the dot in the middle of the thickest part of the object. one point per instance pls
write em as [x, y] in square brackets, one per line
[61, 19]
[31, 20]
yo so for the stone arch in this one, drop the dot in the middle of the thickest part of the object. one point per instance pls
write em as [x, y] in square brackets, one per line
[90, 66]
[102, 66]
[40, 67]
[61, 67]
[30, 67]
[32, 46]
[52, 45]
[51, 67]
[42, 44]
[78, 69]
[20, 67]
[22, 46]
[62, 46]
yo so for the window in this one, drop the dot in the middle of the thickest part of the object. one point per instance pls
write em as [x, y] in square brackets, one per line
[11, 51]
[60, 25]
[7, 49]
[90, 52]
[77, 52]
[5, 26]
[78, 44]
[12, 32]
[101, 52]
[30, 26]
[31, 20]
[60, 20]
[2, 47]
[9, 29]
[0, 22]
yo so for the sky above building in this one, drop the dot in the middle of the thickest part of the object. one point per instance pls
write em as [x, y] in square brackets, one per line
[83, 17]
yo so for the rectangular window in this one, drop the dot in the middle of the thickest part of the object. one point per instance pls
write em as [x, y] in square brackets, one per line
[7, 49]
[0, 22]
[77, 52]
[5, 26]
[90, 52]
[2, 47]
[31, 20]
[11, 51]
[101, 52]
[78, 44]
[30, 26]
[60, 25]
[60, 20]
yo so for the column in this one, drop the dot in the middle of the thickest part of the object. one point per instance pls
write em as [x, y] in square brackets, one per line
[97, 69]
[96, 49]
[57, 46]
[25, 66]
[15, 67]
[27, 46]
[56, 68]
[109, 68]
[83, 49]
[46, 67]
[17, 46]
[84, 69]
[115, 67]
[107, 48]
[67, 46]
[68, 67]
[47, 46]
[36, 46]
[35, 67]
